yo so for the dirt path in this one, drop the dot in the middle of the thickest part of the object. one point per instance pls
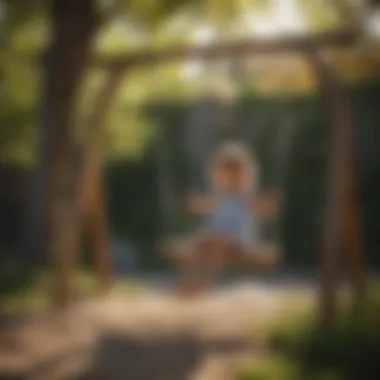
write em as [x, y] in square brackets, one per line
[145, 337]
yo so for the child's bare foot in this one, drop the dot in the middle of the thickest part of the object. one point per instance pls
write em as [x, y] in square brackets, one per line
[190, 292]
[263, 256]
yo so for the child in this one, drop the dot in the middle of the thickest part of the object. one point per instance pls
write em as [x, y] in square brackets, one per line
[229, 219]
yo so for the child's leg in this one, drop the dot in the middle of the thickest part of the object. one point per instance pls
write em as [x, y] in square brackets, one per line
[215, 260]
[203, 264]
[260, 255]
[190, 268]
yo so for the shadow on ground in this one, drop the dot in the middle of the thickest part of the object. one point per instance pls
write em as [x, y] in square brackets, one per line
[179, 358]
[116, 357]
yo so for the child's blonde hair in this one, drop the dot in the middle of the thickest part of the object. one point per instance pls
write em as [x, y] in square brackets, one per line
[237, 152]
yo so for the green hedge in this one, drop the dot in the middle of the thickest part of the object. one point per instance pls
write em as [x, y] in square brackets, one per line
[134, 201]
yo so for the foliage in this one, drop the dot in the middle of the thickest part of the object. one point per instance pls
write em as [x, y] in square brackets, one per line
[25, 32]
[15, 272]
[35, 295]
[304, 349]
[322, 14]
[152, 13]
[133, 204]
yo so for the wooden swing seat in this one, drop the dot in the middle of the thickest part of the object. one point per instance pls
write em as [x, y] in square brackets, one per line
[263, 256]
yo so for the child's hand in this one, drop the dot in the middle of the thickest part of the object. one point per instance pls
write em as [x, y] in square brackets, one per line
[192, 202]
[266, 206]
[198, 204]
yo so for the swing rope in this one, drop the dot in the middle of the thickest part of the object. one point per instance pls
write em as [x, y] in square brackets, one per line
[281, 162]
[210, 122]
[165, 185]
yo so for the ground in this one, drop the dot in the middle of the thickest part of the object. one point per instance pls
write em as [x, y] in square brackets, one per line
[150, 335]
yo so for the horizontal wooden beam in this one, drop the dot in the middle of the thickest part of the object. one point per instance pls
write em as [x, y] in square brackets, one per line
[295, 43]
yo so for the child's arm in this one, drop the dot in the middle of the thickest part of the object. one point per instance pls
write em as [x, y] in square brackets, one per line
[200, 204]
[266, 206]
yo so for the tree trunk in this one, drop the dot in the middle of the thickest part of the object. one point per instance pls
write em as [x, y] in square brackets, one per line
[342, 229]
[92, 184]
[73, 28]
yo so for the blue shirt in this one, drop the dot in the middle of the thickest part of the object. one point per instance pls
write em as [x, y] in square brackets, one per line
[232, 218]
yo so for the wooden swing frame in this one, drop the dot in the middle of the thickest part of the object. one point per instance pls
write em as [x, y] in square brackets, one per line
[262, 256]
[342, 226]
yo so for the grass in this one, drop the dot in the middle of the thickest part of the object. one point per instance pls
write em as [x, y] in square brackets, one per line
[301, 349]
[36, 296]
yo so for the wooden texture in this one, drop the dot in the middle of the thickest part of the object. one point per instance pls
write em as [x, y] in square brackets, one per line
[56, 202]
[92, 186]
[295, 43]
[342, 229]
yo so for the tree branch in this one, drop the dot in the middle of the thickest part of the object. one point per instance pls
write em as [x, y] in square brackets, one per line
[343, 37]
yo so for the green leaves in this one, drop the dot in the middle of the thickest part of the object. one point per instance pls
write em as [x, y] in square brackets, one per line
[26, 26]
[119, 36]
[321, 15]
[152, 13]
[26, 31]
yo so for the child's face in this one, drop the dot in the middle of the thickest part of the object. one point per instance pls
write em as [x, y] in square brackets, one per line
[233, 176]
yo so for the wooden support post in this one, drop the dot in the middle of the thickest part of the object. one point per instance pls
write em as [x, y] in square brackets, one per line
[352, 231]
[93, 189]
[330, 233]
[96, 223]
[341, 228]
